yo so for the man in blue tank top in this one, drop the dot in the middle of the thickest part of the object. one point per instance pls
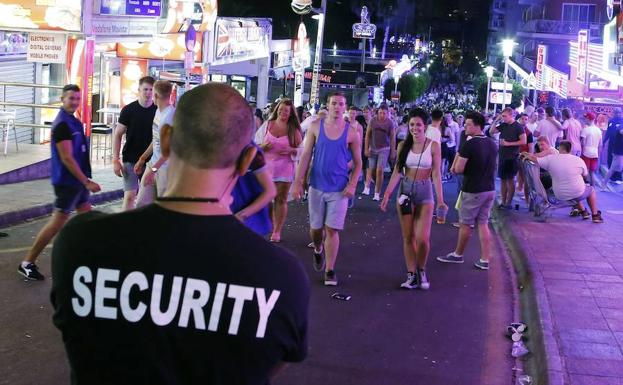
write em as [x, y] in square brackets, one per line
[327, 146]
[71, 173]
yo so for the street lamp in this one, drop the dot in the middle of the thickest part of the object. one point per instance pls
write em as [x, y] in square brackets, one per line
[303, 7]
[489, 72]
[507, 51]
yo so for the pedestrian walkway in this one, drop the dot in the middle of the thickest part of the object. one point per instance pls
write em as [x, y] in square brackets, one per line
[31, 199]
[451, 334]
[576, 269]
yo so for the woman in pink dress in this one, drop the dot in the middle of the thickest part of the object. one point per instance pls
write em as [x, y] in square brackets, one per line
[282, 137]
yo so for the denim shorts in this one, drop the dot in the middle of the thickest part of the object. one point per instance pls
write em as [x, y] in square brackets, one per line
[130, 179]
[327, 209]
[68, 198]
[378, 159]
[420, 191]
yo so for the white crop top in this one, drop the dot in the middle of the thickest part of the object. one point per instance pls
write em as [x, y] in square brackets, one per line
[426, 160]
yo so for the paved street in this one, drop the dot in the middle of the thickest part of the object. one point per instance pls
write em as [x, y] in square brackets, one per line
[577, 269]
[452, 334]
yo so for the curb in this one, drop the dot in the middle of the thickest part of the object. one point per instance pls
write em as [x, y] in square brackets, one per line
[545, 364]
[14, 217]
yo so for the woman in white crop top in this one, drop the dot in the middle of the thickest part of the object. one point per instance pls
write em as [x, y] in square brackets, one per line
[417, 169]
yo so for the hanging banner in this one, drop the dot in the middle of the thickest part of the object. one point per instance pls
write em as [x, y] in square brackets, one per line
[131, 72]
[582, 55]
[46, 48]
[200, 13]
[87, 85]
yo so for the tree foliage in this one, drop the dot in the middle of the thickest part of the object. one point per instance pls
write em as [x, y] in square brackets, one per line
[410, 86]
[480, 84]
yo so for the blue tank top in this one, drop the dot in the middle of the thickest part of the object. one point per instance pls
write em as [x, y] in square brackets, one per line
[329, 171]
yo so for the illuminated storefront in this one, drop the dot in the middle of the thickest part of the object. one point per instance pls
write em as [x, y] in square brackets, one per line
[595, 75]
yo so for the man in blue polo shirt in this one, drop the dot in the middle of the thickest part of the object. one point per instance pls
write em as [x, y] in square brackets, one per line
[71, 173]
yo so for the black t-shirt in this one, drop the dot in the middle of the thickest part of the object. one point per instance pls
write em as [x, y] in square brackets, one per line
[155, 296]
[138, 136]
[510, 133]
[479, 174]
[614, 135]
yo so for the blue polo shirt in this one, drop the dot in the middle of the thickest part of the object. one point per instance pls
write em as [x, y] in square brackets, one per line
[67, 127]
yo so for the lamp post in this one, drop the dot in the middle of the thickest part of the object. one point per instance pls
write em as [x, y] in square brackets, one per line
[507, 51]
[489, 72]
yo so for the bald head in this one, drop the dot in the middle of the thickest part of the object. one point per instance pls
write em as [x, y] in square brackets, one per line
[212, 125]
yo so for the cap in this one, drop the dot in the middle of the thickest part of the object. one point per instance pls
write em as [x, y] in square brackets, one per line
[589, 115]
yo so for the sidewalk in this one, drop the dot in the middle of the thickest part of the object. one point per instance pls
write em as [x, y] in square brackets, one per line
[571, 274]
[27, 200]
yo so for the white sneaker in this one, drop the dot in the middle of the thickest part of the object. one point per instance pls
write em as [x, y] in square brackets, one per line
[366, 191]
[424, 284]
[377, 197]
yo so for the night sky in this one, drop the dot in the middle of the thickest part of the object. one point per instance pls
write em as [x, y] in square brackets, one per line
[457, 19]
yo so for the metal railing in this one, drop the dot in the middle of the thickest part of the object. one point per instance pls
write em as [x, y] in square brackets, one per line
[558, 27]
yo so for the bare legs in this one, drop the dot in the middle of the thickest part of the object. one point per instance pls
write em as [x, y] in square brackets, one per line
[416, 236]
[465, 232]
[280, 209]
[331, 239]
[54, 225]
[129, 200]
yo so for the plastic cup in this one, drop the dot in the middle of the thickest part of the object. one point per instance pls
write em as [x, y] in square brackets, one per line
[441, 215]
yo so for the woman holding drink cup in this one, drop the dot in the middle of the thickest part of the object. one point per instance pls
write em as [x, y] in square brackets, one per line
[419, 159]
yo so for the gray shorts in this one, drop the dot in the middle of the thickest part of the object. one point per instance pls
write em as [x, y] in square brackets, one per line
[420, 191]
[326, 209]
[130, 179]
[588, 190]
[378, 159]
[476, 207]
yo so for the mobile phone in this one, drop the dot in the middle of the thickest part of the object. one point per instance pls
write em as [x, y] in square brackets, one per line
[343, 297]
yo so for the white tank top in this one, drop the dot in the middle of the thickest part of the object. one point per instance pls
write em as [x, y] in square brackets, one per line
[426, 160]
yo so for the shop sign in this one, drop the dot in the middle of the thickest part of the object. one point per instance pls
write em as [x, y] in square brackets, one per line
[47, 48]
[302, 58]
[131, 72]
[241, 39]
[308, 75]
[57, 15]
[554, 81]
[130, 7]
[364, 29]
[201, 14]
[282, 58]
[103, 25]
[168, 47]
[500, 86]
[541, 54]
[497, 97]
[582, 56]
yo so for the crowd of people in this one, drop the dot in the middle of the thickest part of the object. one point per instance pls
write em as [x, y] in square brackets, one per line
[222, 176]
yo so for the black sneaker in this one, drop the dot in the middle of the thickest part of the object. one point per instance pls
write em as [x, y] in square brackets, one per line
[31, 271]
[574, 213]
[411, 282]
[318, 261]
[330, 279]
[597, 217]
[585, 215]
